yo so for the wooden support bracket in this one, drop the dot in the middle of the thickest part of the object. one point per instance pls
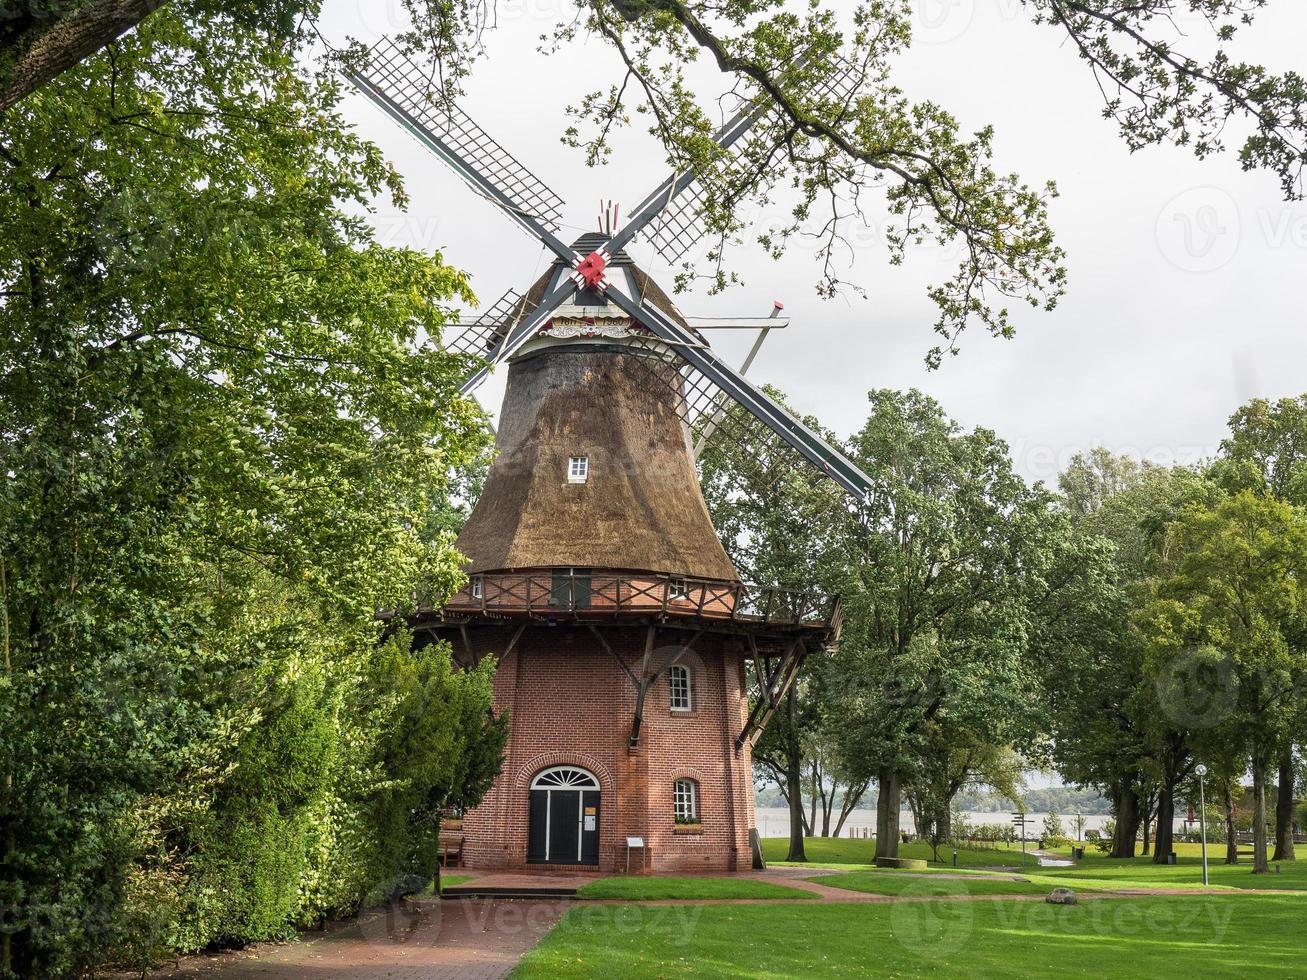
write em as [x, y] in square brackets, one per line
[777, 685]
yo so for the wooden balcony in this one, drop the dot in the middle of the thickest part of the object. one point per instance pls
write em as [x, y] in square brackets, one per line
[557, 594]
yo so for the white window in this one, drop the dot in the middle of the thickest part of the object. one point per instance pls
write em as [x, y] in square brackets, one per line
[578, 468]
[678, 677]
[685, 794]
[678, 589]
[478, 587]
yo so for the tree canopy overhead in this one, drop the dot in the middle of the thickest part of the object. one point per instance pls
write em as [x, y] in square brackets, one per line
[1161, 83]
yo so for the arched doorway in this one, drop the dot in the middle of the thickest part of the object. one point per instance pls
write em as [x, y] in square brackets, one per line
[564, 817]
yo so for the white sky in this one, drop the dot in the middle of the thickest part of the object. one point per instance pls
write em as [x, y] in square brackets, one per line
[1187, 277]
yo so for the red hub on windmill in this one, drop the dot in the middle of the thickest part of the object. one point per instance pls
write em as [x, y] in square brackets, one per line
[591, 269]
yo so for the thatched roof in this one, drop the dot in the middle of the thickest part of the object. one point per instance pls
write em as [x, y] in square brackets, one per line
[640, 507]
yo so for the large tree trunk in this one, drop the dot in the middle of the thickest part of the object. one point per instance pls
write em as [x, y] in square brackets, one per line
[35, 49]
[1260, 764]
[1165, 823]
[1126, 805]
[794, 776]
[1148, 826]
[887, 814]
[1284, 849]
[1231, 834]
[944, 825]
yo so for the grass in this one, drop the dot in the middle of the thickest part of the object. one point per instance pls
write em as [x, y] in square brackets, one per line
[849, 853]
[1140, 872]
[645, 889]
[1210, 936]
[448, 881]
[882, 883]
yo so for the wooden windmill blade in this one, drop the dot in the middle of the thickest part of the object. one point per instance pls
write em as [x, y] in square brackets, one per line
[480, 336]
[400, 87]
[678, 203]
[705, 377]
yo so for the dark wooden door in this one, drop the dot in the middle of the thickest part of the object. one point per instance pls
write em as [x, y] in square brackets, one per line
[564, 827]
[538, 820]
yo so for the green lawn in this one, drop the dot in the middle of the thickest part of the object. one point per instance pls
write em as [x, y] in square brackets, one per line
[845, 851]
[1209, 936]
[1140, 872]
[448, 881]
[894, 883]
[644, 889]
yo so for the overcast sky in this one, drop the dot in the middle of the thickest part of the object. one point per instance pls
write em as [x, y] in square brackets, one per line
[1187, 293]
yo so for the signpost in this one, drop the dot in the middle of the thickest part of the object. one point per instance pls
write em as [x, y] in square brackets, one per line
[1019, 823]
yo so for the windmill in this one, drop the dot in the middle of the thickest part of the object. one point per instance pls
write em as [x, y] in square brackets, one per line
[668, 217]
[623, 633]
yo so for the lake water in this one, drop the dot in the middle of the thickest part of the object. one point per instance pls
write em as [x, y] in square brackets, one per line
[775, 822]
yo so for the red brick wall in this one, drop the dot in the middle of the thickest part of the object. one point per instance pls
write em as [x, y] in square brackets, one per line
[571, 703]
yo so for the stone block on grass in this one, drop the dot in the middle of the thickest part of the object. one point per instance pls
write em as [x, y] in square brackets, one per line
[909, 864]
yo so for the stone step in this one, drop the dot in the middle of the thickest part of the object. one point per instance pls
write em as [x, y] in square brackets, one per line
[473, 890]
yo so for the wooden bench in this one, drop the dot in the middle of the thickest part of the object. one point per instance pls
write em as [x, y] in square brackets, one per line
[450, 854]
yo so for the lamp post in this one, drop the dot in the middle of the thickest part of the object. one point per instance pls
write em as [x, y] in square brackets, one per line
[1202, 815]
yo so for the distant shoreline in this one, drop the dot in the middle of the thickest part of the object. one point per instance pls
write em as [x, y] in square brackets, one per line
[775, 821]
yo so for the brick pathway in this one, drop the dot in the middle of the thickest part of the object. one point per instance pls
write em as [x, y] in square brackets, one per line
[423, 940]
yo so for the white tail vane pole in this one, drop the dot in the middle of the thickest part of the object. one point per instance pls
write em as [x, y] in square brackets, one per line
[720, 412]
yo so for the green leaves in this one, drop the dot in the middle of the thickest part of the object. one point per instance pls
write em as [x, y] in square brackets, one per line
[226, 425]
[1158, 89]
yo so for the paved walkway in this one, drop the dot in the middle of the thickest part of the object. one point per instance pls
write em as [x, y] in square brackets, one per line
[421, 940]
[481, 939]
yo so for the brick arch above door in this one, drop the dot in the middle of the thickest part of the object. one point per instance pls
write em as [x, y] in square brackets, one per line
[547, 760]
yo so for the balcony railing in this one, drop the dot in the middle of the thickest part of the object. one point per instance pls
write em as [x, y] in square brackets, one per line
[596, 595]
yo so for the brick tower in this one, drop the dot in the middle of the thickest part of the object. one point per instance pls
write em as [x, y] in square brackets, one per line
[628, 647]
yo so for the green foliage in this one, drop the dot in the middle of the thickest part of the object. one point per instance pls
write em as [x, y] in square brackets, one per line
[1052, 832]
[226, 428]
[941, 572]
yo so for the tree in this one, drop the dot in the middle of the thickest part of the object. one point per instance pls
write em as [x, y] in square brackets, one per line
[778, 532]
[1106, 723]
[1267, 453]
[938, 570]
[224, 417]
[949, 765]
[939, 183]
[1229, 593]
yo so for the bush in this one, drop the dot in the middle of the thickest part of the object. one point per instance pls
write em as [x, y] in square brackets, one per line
[1104, 841]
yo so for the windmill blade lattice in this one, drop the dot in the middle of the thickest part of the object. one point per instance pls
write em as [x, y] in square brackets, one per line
[735, 439]
[480, 337]
[681, 227]
[403, 84]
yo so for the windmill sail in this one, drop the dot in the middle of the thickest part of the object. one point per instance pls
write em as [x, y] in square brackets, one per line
[405, 92]
[680, 226]
[479, 337]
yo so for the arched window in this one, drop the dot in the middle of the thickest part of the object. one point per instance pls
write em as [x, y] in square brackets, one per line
[564, 777]
[685, 796]
[678, 679]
